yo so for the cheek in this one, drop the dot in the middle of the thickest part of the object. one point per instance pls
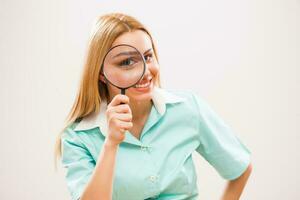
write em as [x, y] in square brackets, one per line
[113, 90]
[154, 69]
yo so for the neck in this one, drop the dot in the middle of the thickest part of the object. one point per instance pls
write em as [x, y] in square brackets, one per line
[140, 109]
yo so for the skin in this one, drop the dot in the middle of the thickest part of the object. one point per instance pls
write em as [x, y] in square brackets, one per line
[131, 116]
[234, 188]
[139, 103]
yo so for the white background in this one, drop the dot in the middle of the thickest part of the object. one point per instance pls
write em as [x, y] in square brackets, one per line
[243, 56]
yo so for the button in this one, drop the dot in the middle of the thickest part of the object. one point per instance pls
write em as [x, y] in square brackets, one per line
[143, 148]
[153, 178]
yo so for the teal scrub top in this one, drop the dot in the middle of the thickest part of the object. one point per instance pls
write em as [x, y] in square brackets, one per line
[159, 165]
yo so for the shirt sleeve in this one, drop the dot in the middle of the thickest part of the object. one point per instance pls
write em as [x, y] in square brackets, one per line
[78, 162]
[218, 143]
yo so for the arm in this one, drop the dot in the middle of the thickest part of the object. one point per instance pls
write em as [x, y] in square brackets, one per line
[234, 188]
[101, 183]
[119, 119]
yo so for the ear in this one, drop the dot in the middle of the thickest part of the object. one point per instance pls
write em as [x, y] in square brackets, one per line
[102, 79]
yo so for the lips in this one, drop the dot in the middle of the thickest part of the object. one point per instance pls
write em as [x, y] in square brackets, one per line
[143, 83]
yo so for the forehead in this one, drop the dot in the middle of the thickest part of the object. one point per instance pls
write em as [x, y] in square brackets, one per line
[138, 38]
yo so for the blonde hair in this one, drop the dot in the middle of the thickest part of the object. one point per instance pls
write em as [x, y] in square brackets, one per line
[91, 91]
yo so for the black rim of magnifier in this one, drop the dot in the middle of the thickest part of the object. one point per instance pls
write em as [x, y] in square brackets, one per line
[123, 89]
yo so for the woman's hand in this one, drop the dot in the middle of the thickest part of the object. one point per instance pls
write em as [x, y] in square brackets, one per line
[119, 119]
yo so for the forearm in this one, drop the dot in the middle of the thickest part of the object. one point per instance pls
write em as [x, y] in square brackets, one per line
[101, 183]
[234, 188]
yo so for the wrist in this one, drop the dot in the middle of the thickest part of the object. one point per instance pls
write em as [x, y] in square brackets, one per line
[110, 144]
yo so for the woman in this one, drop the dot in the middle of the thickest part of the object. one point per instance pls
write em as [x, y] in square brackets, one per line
[139, 145]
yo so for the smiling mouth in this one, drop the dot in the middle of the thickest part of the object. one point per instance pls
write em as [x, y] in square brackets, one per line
[144, 83]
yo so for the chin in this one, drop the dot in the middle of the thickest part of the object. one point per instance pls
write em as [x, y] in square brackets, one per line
[145, 97]
[141, 95]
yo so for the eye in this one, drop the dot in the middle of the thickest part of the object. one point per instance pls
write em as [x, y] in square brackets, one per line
[148, 57]
[127, 62]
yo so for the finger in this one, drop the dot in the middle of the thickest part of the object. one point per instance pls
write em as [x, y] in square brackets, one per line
[124, 125]
[127, 117]
[118, 99]
[122, 108]
[123, 130]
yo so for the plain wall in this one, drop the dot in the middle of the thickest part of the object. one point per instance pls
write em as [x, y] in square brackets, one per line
[242, 56]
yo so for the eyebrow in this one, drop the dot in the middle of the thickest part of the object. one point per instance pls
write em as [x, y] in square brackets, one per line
[130, 53]
[126, 53]
[148, 50]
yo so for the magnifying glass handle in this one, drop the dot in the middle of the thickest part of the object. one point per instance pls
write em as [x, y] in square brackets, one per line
[123, 92]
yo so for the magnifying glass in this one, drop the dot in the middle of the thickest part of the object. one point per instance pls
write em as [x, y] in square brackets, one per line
[123, 66]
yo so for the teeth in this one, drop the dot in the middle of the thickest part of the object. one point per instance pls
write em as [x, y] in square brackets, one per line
[143, 85]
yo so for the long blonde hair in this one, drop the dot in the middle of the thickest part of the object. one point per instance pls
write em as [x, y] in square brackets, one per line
[91, 91]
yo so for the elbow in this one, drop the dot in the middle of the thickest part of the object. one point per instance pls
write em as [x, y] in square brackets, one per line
[249, 169]
[245, 175]
[247, 172]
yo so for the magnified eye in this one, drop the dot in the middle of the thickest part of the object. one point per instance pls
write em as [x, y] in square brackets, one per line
[127, 62]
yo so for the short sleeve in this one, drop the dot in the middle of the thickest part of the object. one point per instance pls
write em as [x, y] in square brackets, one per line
[218, 143]
[78, 162]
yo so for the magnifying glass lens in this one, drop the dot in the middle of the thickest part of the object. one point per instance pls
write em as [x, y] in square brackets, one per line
[123, 66]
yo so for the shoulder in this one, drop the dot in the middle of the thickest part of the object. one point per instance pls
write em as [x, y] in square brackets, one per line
[70, 134]
[193, 102]
[170, 93]
[185, 99]
[186, 95]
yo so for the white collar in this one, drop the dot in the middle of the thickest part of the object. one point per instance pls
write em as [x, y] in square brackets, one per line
[160, 98]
